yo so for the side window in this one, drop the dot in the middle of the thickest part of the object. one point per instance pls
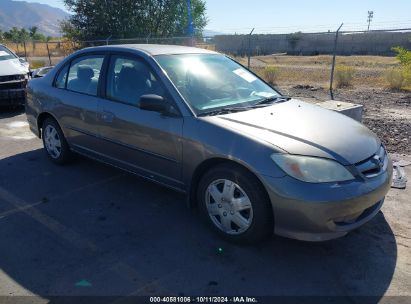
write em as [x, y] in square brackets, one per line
[84, 74]
[128, 79]
[61, 78]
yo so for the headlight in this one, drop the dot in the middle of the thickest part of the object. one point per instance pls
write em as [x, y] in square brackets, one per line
[312, 169]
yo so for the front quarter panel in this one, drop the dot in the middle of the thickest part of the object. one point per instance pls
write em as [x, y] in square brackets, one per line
[204, 139]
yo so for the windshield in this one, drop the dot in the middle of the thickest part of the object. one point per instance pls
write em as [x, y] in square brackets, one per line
[5, 54]
[211, 81]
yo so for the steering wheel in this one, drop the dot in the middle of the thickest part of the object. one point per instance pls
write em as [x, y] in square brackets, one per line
[234, 91]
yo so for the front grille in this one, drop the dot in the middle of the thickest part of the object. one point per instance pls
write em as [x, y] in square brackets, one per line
[10, 96]
[374, 165]
[11, 78]
[13, 85]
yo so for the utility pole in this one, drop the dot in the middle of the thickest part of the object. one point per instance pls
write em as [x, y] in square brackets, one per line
[369, 19]
[190, 27]
[333, 64]
[48, 52]
[148, 37]
[108, 39]
[249, 47]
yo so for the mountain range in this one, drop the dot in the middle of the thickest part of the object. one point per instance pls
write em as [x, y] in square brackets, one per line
[25, 14]
[45, 17]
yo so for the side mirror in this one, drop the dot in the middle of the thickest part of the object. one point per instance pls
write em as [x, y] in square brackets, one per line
[154, 103]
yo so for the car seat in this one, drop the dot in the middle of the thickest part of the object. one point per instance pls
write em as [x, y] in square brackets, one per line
[83, 81]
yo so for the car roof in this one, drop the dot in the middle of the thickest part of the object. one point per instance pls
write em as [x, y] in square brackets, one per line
[160, 49]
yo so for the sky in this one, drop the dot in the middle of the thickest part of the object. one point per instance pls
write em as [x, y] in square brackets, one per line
[272, 16]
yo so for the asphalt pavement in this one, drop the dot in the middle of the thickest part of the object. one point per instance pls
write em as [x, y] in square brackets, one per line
[89, 229]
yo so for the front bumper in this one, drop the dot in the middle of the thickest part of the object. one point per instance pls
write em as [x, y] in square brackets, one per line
[13, 97]
[319, 212]
[13, 93]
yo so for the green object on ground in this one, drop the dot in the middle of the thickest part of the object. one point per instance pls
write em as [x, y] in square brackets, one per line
[83, 283]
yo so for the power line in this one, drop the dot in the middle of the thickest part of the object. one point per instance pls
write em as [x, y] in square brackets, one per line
[347, 25]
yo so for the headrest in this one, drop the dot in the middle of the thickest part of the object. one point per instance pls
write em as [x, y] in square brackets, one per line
[128, 71]
[140, 68]
[84, 72]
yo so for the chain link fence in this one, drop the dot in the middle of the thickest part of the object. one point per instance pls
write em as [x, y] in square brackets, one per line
[282, 59]
[378, 43]
[40, 53]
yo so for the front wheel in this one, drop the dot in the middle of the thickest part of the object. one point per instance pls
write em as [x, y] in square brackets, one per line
[54, 142]
[235, 204]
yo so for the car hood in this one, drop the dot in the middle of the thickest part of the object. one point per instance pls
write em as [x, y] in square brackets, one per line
[305, 129]
[12, 67]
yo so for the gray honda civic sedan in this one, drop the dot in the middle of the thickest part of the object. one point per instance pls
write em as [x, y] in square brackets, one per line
[254, 161]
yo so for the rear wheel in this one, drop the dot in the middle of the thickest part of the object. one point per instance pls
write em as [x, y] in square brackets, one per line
[235, 204]
[55, 143]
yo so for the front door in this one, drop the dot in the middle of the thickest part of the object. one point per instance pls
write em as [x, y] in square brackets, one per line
[148, 143]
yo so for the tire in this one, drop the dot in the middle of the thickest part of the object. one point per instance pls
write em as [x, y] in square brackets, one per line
[55, 143]
[241, 214]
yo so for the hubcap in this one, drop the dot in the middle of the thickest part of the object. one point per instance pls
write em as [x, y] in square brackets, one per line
[52, 141]
[228, 206]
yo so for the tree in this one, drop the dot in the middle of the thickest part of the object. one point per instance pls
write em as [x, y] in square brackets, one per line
[20, 35]
[23, 35]
[100, 19]
[13, 35]
[33, 32]
[35, 35]
[293, 39]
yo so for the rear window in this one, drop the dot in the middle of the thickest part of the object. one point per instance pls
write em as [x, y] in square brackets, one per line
[84, 74]
[5, 54]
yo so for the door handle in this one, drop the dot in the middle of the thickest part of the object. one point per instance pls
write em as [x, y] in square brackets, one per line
[107, 116]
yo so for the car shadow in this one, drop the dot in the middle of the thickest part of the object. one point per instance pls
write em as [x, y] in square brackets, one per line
[8, 112]
[87, 229]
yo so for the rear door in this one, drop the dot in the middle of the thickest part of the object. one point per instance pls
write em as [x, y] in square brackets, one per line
[146, 142]
[77, 102]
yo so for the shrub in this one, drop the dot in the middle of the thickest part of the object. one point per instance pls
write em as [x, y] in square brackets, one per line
[344, 76]
[406, 72]
[35, 64]
[270, 74]
[399, 77]
[403, 55]
[395, 78]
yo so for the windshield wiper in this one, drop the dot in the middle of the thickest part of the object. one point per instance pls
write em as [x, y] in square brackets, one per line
[272, 99]
[261, 103]
[224, 111]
